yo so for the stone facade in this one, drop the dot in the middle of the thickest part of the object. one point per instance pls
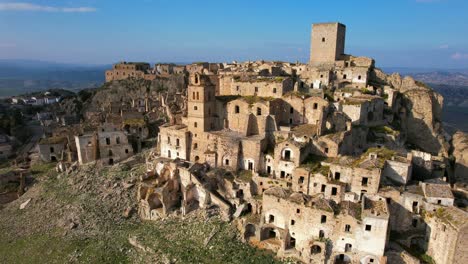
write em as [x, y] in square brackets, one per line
[125, 70]
[52, 149]
[108, 145]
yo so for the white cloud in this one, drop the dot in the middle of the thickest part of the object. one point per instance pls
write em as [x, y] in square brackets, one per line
[444, 46]
[41, 8]
[459, 56]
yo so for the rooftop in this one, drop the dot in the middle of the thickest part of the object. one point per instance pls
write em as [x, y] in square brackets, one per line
[52, 140]
[316, 202]
[375, 206]
[438, 190]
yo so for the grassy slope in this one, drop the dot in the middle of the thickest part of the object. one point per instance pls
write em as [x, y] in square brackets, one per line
[94, 199]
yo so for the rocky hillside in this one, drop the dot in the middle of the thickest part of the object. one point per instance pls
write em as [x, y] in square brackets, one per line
[126, 90]
[460, 153]
[88, 216]
[420, 111]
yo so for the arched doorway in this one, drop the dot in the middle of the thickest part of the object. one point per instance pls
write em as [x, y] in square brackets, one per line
[315, 249]
[249, 231]
[342, 259]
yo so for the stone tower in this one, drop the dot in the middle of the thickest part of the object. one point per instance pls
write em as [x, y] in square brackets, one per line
[327, 43]
[201, 104]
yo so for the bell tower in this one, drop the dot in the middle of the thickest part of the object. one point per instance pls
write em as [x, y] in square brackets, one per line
[201, 104]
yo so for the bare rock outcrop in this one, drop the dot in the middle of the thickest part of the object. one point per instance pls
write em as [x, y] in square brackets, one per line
[460, 153]
[420, 112]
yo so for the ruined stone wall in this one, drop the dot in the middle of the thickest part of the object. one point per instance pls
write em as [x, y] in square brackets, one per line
[372, 186]
[174, 142]
[333, 190]
[84, 148]
[304, 223]
[353, 176]
[249, 119]
[404, 209]
[374, 240]
[292, 111]
[283, 165]
[122, 74]
[272, 87]
[315, 78]
[113, 146]
[355, 77]
[227, 150]
[397, 171]
[252, 154]
[442, 241]
[326, 147]
[301, 178]
[46, 154]
[315, 110]
[356, 112]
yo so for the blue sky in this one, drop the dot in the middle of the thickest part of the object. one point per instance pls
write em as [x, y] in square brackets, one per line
[405, 33]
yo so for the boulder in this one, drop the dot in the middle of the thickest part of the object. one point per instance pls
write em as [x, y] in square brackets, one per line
[23, 205]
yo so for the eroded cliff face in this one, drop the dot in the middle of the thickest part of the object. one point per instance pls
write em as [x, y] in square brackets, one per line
[420, 112]
[129, 89]
[460, 153]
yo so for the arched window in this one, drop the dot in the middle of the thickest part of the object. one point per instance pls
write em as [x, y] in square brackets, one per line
[274, 90]
[195, 108]
[259, 111]
[195, 124]
[344, 76]
[236, 109]
[323, 39]
[359, 77]
[195, 145]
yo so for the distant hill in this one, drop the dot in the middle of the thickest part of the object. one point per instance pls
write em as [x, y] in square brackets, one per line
[22, 76]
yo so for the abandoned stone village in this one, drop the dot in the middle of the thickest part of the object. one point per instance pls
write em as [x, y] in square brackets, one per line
[330, 161]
